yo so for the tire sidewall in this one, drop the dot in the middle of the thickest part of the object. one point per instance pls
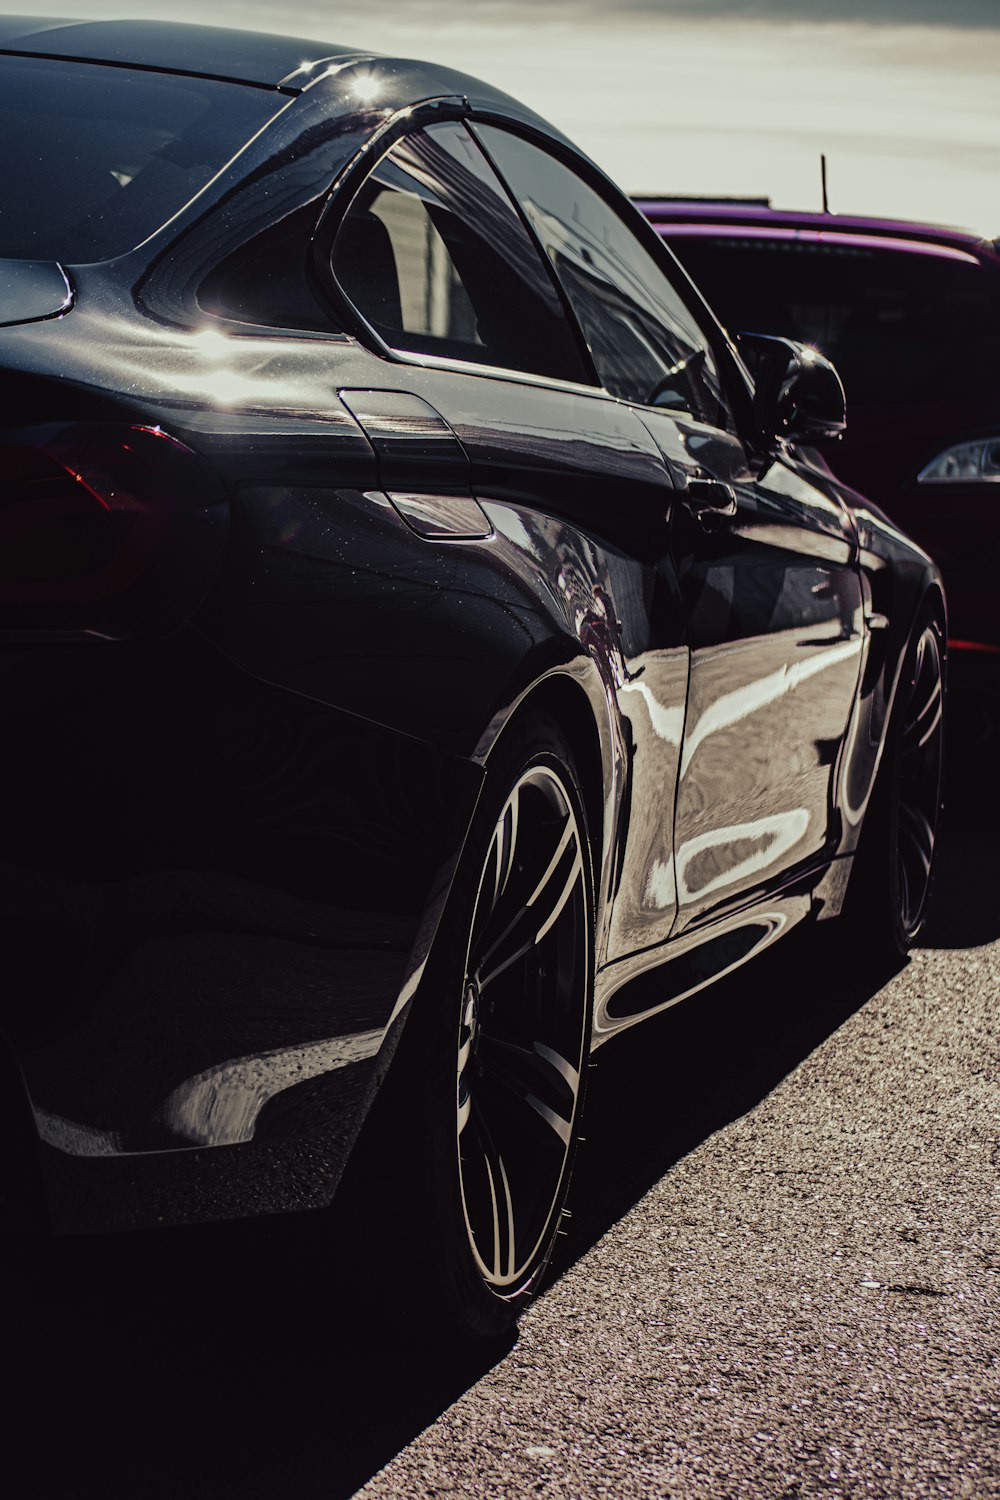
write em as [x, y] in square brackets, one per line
[535, 741]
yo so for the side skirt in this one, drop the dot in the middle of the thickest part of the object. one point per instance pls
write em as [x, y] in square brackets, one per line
[646, 983]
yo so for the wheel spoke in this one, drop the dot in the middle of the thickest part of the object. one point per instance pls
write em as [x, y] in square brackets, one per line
[916, 829]
[502, 961]
[923, 724]
[932, 726]
[563, 1128]
[501, 1203]
[575, 873]
[540, 1077]
[538, 912]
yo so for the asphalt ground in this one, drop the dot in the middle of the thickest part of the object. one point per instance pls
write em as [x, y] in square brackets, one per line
[775, 1284]
[789, 1293]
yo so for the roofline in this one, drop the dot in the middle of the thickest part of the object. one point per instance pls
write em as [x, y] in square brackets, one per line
[140, 67]
[223, 54]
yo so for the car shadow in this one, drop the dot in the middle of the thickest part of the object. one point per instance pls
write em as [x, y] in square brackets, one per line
[237, 1361]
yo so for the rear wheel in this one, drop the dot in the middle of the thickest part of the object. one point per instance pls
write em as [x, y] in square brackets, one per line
[479, 1117]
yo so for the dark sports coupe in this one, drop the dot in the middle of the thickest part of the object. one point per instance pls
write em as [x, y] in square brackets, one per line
[425, 651]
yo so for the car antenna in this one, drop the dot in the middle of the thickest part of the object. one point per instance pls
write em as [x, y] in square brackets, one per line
[822, 173]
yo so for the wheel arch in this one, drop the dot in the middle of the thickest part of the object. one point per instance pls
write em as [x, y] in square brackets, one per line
[568, 698]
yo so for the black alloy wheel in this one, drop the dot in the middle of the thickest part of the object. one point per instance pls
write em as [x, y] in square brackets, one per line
[521, 1036]
[462, 1171]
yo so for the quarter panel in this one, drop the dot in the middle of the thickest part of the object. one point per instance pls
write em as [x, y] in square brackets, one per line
[774, 606]
[215, 898]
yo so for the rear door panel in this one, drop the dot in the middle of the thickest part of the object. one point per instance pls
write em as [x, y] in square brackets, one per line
[773, 603]
[574, 482]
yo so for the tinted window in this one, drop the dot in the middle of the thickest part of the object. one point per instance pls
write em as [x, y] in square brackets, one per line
[900, 326]
[646, 343]
[436, 258]
[265, 280]
[96, 159]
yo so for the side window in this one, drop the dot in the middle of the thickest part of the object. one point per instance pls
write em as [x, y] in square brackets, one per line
[646, 343]
[434, 255]
[264, 281]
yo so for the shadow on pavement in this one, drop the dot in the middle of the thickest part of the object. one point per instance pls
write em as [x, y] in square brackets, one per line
[234, 1362]
[660, 1091]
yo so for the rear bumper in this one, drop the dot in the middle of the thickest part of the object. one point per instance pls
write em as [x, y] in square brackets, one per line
[215, 898]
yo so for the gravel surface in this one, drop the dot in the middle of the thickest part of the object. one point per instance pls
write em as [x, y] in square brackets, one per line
[803, 1305]
[775, 1283]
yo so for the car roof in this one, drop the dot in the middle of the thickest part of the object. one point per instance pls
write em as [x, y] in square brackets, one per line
[261, 60]
[167, 46]
[757, 216]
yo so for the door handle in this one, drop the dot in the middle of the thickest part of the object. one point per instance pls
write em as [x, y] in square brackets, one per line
[709, 497]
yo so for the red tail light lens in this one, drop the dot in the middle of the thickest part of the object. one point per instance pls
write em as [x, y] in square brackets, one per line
[103, 529]
[56, 535]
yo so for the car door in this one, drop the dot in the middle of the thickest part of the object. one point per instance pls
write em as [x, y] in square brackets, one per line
[766, 562]
[487, 406]
[774, 609]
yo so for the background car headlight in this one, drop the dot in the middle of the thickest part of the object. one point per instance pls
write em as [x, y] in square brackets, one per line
[965, 463]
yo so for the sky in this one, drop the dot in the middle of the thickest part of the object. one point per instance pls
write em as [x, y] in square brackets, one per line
[708, 97]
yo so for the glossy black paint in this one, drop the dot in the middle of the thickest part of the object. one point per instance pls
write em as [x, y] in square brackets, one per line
[231, 822]
[215, 52]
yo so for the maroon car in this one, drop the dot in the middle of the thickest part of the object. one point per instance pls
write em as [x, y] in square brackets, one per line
[910, 315]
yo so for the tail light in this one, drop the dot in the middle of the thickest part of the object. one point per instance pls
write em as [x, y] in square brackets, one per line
[106, 530]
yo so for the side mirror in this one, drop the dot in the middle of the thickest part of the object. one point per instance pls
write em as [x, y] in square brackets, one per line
[798, 395]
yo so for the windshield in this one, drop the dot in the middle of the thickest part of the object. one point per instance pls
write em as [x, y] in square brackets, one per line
[95, 159]
[900, 326]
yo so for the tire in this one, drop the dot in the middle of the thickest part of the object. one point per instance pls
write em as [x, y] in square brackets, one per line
[464, 1166]
[890, 886]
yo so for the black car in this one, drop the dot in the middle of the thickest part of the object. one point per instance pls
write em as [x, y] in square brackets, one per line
[412, 613]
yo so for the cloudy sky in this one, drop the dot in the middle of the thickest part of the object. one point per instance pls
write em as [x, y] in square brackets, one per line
[709, 96]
